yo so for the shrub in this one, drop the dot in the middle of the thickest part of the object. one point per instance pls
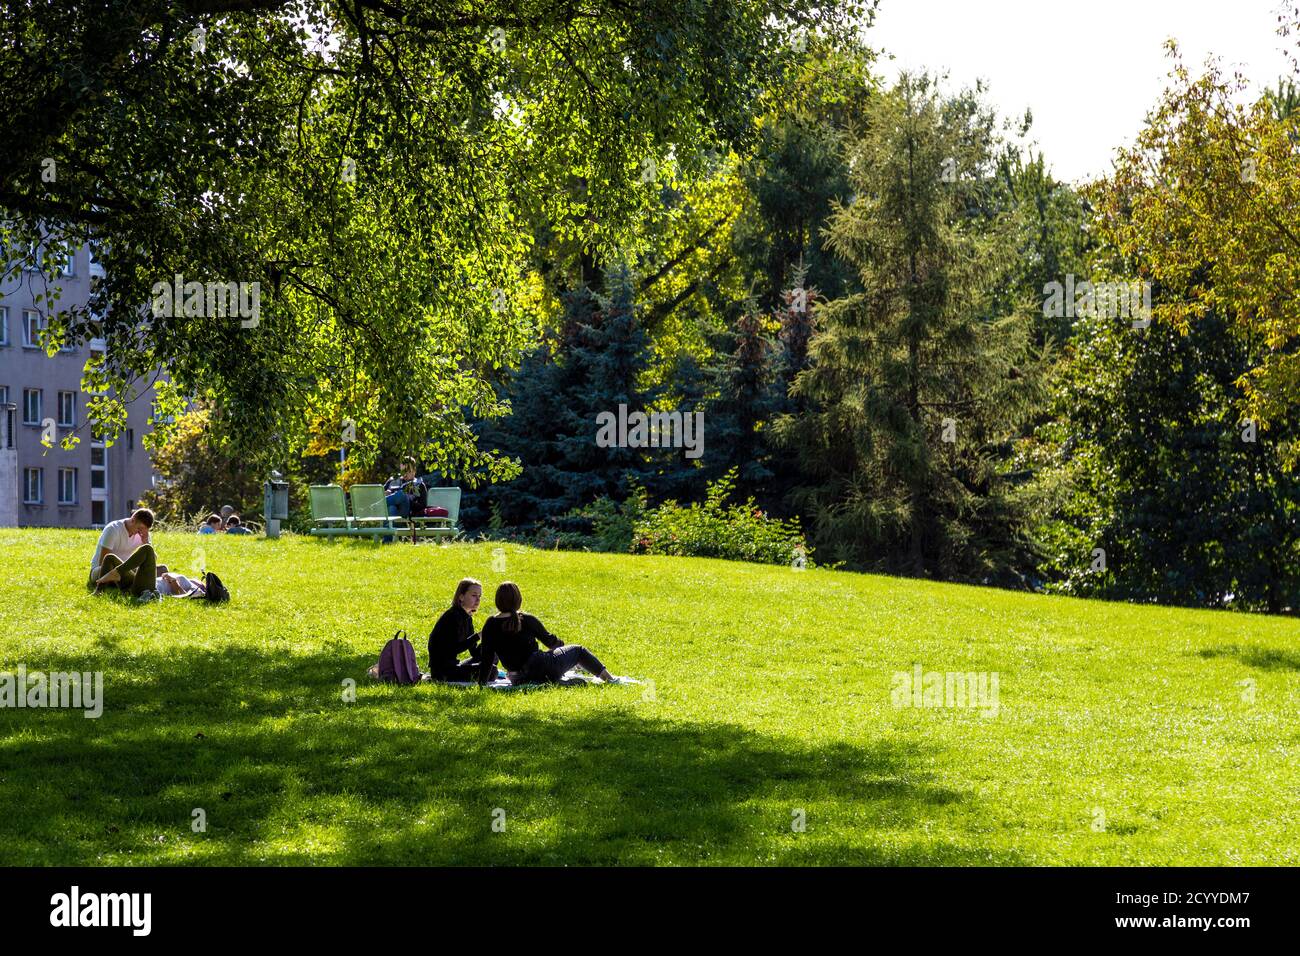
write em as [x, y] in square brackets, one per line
[714, 529]
[613, 524]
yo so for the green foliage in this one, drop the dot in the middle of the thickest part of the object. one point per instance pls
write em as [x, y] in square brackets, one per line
[1049, 226]
[1147, 459]
[916, 384]
[738, 393]
[799, 168]
[1206, 204]
[371, 166]
[614, 523]
[591, 368]
[199, 471]
[197, 475]
[715, 529]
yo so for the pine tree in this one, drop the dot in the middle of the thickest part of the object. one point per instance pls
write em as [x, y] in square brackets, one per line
[523, 434]
[592, 366]
[915, 385]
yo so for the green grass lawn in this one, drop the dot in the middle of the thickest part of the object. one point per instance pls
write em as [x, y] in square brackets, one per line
[770, 705]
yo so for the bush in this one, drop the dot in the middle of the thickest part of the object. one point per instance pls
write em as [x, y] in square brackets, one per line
[714, 529]
[613, 524]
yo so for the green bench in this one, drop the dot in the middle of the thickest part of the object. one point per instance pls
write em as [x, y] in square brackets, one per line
[448, 498]
[370, 517]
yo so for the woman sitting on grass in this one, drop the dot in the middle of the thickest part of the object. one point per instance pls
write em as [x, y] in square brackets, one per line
[513, 636]
[454, 633]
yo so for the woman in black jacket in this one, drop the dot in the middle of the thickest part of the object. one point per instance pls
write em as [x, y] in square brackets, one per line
[513, 636]
[454, 633]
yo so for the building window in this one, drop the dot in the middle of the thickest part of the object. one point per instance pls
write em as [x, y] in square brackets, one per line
[97, 513]
[59, 259]
[95, 265]
[31, 406]
[4, 326]
[67, 486]
[9, 431]
[130, 439]
[97, 479]
[68, 409]
[33, 486]
[32, 326]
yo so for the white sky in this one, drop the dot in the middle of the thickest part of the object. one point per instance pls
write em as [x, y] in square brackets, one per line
[1089, 70]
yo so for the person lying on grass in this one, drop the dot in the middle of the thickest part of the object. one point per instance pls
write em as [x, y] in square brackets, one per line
[454, 633]
[178, 585]
[513, 636]
[118, 562]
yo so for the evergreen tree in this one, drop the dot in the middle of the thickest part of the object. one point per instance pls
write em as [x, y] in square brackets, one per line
[525, 435]
[744, 408]
[556, 397]
[916, 384]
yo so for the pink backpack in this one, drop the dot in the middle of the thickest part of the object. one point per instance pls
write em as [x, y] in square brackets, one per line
[397, 661]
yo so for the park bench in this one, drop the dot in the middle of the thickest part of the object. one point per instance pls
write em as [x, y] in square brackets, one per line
[448, 498]
[329, 510]
[370, 515]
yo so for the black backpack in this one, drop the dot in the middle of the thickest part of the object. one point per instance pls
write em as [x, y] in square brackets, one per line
[216, 592]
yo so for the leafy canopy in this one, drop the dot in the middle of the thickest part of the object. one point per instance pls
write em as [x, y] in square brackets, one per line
[370, 164]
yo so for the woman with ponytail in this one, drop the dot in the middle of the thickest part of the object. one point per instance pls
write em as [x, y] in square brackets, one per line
[513, 636]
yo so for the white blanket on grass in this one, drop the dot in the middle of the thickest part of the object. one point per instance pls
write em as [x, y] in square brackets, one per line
[572, 678]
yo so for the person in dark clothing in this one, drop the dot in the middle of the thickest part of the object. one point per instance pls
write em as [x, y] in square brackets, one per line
[406, 494]
[513, 636]
[454, 633]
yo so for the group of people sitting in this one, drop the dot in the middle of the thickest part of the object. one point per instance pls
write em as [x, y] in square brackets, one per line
[511, 636]
[125, 559]
[225, 523]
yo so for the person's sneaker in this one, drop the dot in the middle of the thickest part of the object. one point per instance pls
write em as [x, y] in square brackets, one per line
[147, 596]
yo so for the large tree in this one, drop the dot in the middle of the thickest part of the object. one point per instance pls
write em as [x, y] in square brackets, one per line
[370, 164]
[916, 383]
[591, 366]
[1209, 199]
[1152, 486]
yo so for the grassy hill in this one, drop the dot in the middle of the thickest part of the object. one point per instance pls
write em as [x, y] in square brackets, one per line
[770, 707]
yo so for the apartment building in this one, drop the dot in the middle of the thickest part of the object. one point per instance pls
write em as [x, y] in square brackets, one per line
[51, 487]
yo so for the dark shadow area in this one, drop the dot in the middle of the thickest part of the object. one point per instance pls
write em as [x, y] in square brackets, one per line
[414, 775]
[1265, 658]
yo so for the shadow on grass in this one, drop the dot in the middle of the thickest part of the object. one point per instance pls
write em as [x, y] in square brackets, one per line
[286, 772]
[1265, 658]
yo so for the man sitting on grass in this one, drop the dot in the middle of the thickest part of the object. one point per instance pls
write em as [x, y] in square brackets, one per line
[118, 562]
[236, 526]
